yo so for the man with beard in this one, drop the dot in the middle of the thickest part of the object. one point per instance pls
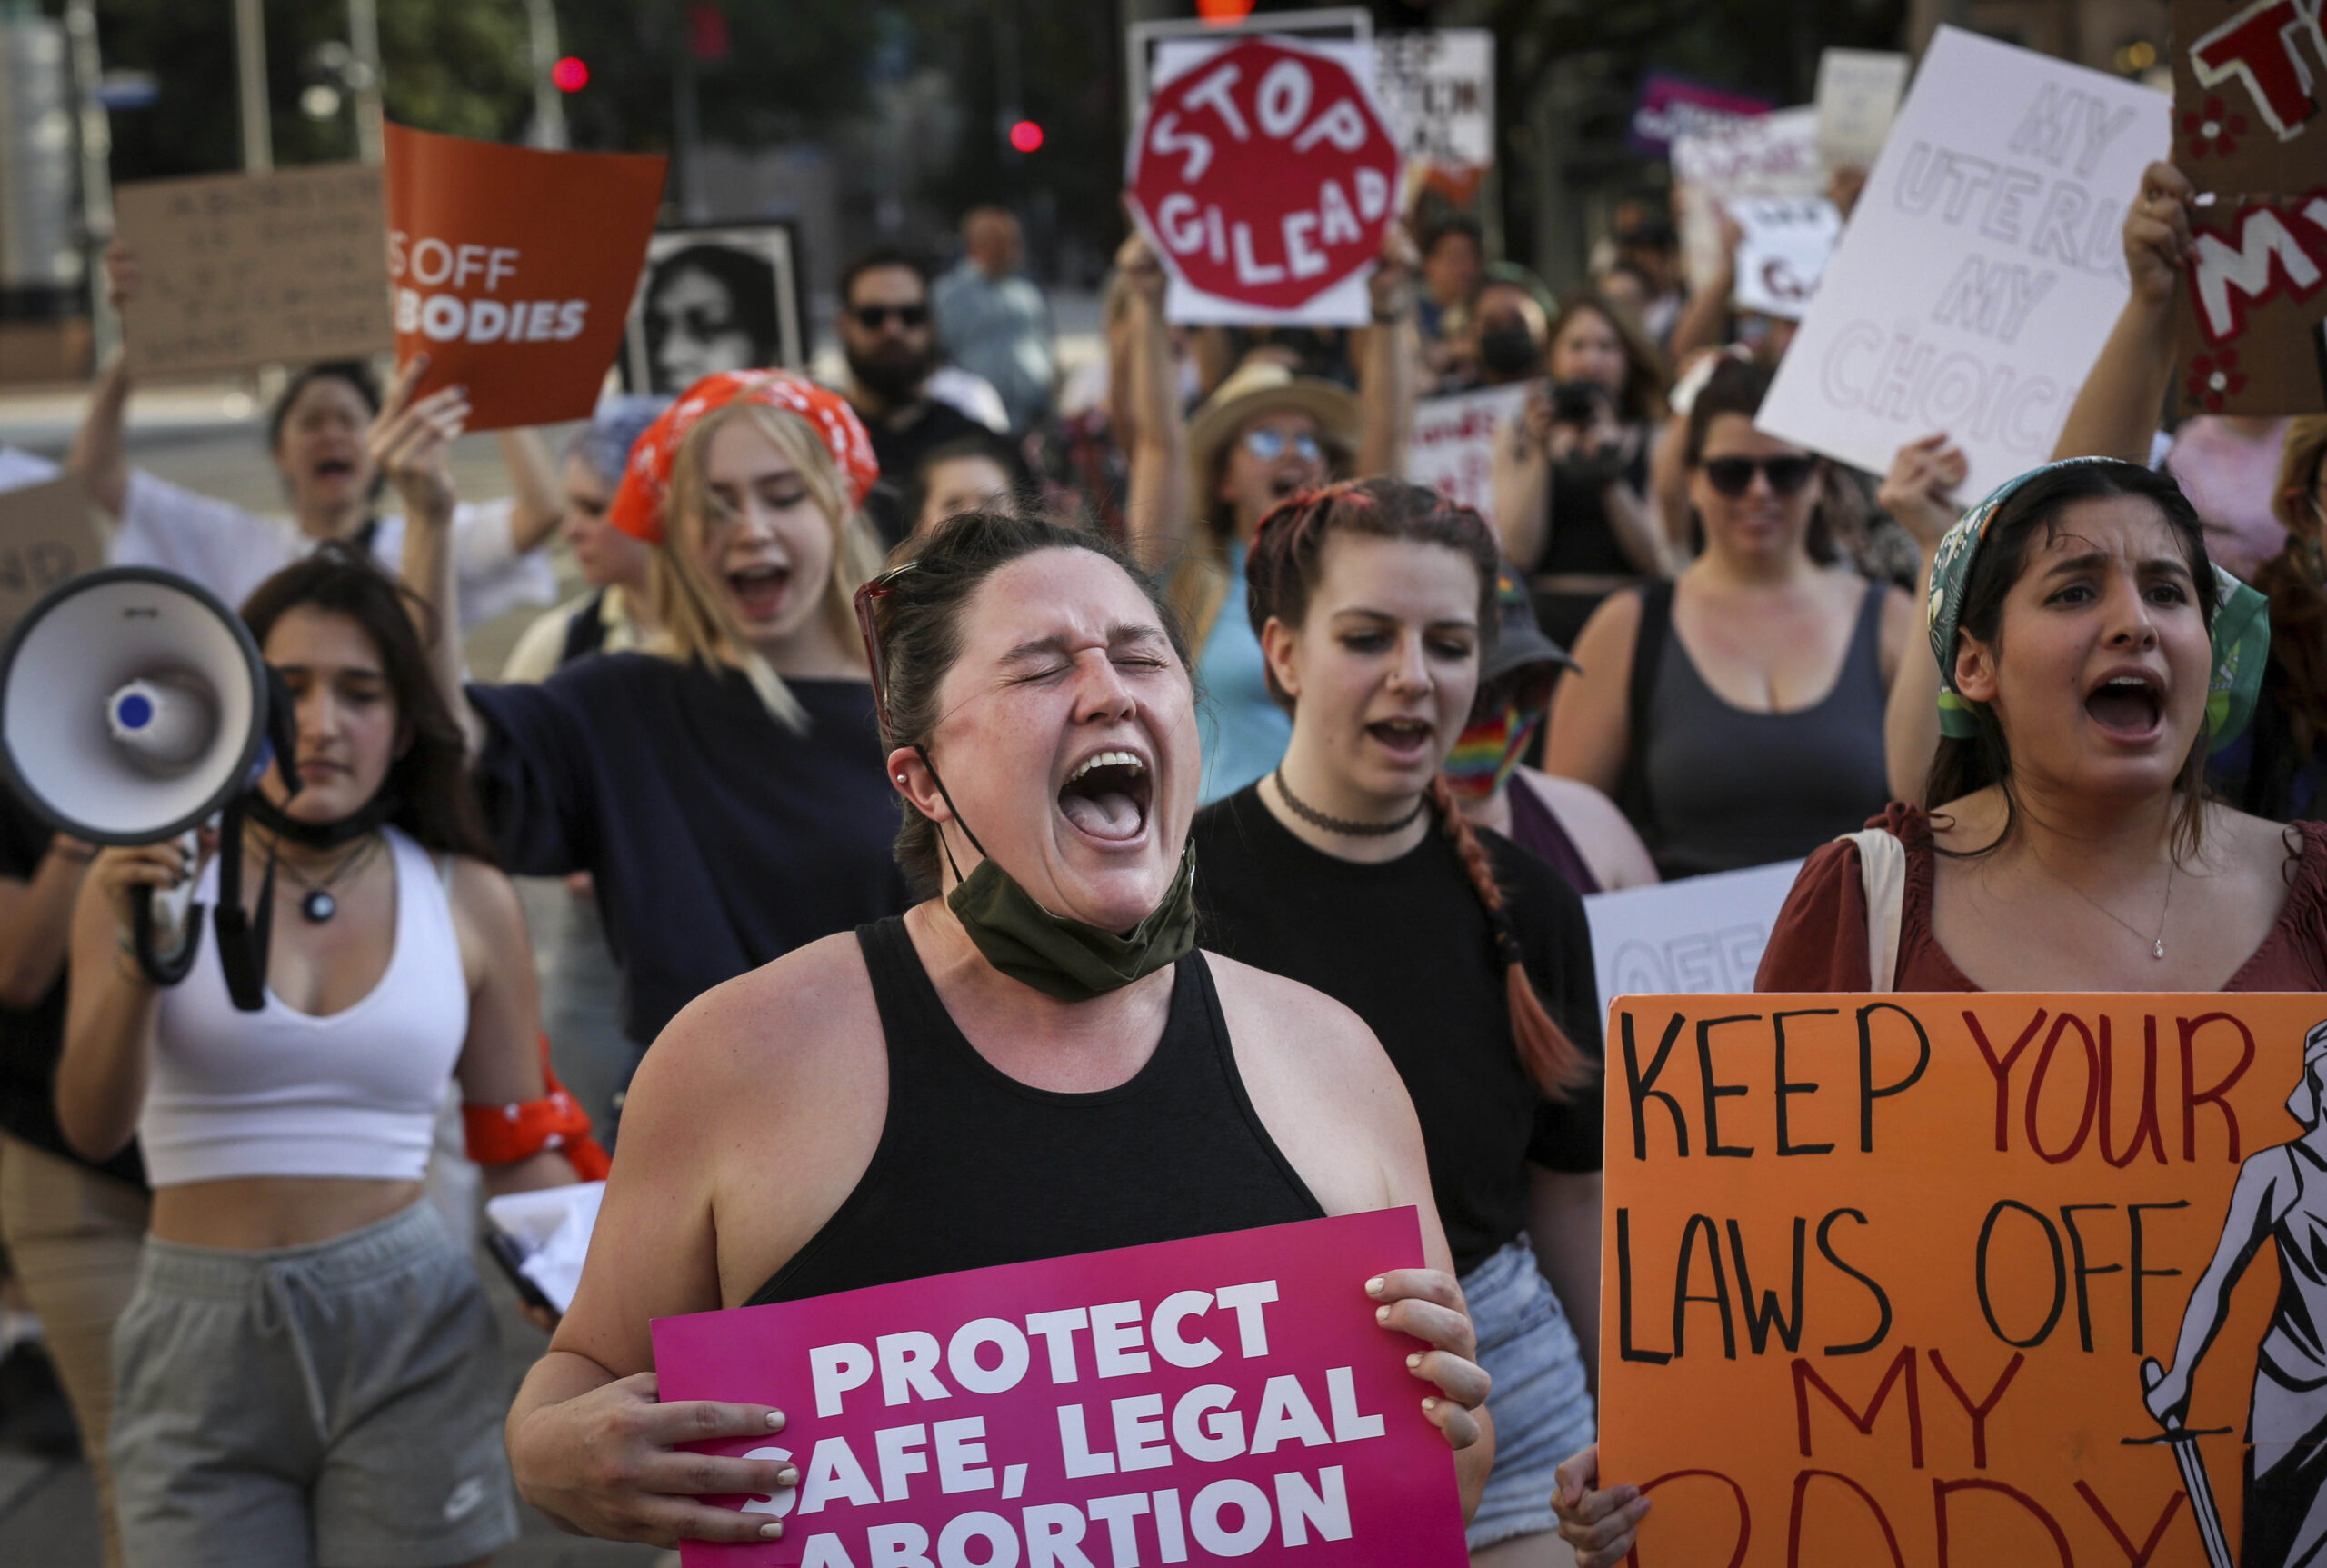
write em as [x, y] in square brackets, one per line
[892, 349]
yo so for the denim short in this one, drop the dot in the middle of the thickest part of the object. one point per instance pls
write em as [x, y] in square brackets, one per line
[1541, 1403]
[338, 1404]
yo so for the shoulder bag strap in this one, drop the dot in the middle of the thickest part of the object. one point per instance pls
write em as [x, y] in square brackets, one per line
[1883, 874]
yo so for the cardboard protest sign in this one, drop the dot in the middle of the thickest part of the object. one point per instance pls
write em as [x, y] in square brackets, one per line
[1696, 935]
[2246, 86]
[1983, 268]
[238, 271]
[1223, 1396]
[1857, 96]
[1786, 245]
[1672, 106]
[1439, 89]
[47, 536]
[2247, 77]
[514, 268]
[1265, 176]
[1774, 154]
[1971, 1278]
[1450, 446]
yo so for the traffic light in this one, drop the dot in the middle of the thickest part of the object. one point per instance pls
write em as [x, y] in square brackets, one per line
[570, 74]
[1026, 136]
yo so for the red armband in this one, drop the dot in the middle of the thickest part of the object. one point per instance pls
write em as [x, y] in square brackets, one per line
[506, 1133]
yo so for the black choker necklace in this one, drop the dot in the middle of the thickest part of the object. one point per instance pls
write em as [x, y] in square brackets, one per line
[1317, 818]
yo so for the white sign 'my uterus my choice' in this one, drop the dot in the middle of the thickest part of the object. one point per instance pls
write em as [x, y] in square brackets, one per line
[1980, 274]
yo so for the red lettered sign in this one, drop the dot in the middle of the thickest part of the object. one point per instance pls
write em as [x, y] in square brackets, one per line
[1264, 174]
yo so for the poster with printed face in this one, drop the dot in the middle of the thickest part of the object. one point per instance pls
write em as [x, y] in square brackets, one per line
[1266, 177]
[1774, 154]
[1982, 269]
[1450, 446]
[714, 299]
[1192, 1401]
[513, 268]
[2247, 85]
[47, 536]
[1967, 1278]
[238, 271]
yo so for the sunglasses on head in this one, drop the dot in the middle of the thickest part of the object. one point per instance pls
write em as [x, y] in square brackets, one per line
[1732, 477]
[873, 317]
[870, 625]
[1268, 446]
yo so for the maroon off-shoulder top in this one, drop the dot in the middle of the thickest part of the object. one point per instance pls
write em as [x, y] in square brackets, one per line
[1819, 942]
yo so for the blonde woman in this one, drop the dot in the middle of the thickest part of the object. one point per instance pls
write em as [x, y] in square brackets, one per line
[722, 786]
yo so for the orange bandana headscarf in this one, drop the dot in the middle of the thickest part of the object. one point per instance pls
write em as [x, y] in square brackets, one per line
[645, 493]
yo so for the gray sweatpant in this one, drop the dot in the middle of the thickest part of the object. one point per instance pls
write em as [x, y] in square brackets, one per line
[337, 1406]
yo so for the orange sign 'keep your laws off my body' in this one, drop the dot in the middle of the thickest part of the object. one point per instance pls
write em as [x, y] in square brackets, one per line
[1953, 1280]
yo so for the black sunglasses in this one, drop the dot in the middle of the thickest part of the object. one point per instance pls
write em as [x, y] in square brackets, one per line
[1732, 477]
[873, 317]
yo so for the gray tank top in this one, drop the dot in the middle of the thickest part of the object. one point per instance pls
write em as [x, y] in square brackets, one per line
[1727, 788]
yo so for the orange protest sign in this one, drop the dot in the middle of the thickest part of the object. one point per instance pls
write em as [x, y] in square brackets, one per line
[1937, 1281]
[513, 268]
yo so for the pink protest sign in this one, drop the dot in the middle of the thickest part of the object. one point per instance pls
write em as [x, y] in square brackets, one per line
[1223, 1396]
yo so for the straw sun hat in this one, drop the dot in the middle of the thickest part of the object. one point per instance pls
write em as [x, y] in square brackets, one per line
[1261, 387]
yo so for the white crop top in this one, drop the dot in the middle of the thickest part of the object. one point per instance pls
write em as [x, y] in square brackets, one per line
[281, 1092]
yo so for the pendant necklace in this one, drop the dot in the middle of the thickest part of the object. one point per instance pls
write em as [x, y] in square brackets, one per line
[1317, 818]
[319, 906]
[2155, 939]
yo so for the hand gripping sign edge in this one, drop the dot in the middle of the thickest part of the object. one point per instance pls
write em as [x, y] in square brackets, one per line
[1276, 230]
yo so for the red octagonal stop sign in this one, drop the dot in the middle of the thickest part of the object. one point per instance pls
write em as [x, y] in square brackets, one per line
[1264, 176]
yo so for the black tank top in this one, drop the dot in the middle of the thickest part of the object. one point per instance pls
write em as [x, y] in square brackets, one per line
[975, 1168]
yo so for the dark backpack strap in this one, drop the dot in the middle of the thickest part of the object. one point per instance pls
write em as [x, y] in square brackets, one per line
[1648, 658]
[585, 631]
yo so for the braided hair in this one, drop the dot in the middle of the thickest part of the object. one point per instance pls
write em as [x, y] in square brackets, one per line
[1282, 571]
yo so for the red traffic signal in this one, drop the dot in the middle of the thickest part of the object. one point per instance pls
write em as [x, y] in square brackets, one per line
[570, 74]
[1026, 136]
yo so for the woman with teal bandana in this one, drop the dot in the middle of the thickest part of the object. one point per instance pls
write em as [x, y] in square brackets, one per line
[1351, 868]
[1033, 1062]
[2089, 654]
[2091, 658]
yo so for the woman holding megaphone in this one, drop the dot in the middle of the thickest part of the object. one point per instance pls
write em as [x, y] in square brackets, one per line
[724, 786]
[306, 1370]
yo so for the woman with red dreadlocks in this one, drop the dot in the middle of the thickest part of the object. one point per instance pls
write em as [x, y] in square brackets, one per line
[1350, 869]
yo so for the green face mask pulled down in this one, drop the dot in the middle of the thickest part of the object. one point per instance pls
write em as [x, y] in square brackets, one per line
[1067, 959]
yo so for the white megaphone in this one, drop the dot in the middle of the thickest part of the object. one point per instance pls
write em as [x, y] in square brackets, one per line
[133, 707]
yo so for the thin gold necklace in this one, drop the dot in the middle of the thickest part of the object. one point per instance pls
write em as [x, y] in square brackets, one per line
[2156, 939]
